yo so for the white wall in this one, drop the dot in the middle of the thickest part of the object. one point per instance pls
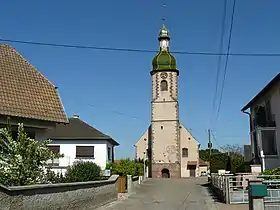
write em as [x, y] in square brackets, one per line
[68, 148]
[111, 155]
[188, 141]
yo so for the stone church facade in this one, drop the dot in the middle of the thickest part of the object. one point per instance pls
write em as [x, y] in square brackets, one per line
[167, 144]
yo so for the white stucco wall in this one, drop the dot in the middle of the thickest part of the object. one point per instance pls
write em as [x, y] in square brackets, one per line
[142, 146]
[68, 148]
[188, 141]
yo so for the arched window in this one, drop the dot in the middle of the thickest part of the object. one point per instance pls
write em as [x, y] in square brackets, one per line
[185, 152]
[163, 85]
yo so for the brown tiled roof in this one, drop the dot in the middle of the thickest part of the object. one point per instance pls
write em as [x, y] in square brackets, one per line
[203, 163]
[77, 130]
[192, 163]
[25, 92]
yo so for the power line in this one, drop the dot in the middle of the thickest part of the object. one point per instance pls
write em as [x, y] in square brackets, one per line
[117, 112]
[215, 139]
[220, 51]
[137, 50]
[227, 56]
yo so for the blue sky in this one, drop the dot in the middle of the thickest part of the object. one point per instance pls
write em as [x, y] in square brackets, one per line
[98, 84]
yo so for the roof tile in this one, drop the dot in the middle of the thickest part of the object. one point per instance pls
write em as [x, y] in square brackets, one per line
[77, 130]
[25, 92]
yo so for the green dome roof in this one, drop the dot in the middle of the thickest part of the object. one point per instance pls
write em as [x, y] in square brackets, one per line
[164, 61]
[164, 33]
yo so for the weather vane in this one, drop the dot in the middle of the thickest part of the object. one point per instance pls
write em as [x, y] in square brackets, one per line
[163, 13]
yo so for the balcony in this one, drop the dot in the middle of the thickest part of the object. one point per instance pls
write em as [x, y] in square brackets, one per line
[53, 162]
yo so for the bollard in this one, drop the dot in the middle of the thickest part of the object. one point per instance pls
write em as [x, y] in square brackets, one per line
[129, 184]
[139, 180]
[121, 184]
[257, 191]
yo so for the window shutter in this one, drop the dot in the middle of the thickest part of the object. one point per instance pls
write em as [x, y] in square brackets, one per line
[54, 149]
[85, 151]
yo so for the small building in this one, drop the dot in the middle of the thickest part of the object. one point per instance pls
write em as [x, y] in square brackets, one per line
[203, 167]
[27, 96]
[79, 141]
[264, 118]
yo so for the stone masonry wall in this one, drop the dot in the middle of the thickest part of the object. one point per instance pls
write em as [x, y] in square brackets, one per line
[174, 169]
[80, 195]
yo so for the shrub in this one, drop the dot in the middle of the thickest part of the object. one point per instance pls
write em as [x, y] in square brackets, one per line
[82, 172]
[128, 167]
[52, 177]
[22, 159]
[269, 174]
[109, 165]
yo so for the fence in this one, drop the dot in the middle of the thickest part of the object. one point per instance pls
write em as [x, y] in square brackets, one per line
[234, 189]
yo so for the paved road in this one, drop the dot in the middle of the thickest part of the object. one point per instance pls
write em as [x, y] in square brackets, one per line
[169, 194]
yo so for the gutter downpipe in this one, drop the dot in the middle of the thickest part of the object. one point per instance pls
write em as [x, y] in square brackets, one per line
[252, 138]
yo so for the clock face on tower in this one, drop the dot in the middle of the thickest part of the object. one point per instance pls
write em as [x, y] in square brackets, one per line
[163, 75]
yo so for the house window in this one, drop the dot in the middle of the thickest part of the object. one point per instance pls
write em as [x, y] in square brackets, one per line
[84, 151]
[163, 85]
[109, 153]
[54, 149]
[185, 152]
[269, 142]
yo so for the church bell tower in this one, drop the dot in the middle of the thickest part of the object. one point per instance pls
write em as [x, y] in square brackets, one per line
[165, 140]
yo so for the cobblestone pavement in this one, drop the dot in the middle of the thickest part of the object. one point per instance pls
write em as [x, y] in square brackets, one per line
[170, 194]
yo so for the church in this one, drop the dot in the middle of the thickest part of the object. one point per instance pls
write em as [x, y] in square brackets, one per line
[170, 148]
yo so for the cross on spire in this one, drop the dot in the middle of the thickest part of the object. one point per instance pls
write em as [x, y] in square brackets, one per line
[163, 12]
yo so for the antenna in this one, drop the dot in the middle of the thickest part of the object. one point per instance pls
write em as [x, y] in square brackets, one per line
[164, 6]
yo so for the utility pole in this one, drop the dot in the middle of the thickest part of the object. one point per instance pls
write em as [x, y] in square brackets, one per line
[209, 143]
[209, 148]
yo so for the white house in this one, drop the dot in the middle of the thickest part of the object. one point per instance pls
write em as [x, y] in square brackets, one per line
[264, 118]
[79, 141]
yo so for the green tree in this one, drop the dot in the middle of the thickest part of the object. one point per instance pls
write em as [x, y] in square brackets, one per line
[204, 154]
[22, 160]
[218, 161]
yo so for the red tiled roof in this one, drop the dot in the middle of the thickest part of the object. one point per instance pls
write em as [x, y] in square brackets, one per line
[203, 163]
[192, 163]
[25, 92]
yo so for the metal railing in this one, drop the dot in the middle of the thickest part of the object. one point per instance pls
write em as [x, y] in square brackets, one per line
[234, 189]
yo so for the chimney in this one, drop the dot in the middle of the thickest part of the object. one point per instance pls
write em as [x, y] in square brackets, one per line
[76, 116]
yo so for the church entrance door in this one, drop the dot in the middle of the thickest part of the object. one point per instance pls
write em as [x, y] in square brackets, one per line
[165, 173]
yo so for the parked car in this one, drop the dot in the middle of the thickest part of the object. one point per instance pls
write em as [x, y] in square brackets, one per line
[203, 173]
